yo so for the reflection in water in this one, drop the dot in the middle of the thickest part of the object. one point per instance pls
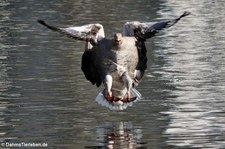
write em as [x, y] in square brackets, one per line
[119, 135]
[44, 96]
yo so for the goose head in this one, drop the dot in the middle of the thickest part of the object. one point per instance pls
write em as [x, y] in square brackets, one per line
[118, 39]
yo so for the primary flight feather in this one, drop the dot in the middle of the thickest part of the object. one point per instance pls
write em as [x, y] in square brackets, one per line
[118, 63]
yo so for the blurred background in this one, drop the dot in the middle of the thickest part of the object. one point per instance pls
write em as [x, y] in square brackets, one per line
[44, 96]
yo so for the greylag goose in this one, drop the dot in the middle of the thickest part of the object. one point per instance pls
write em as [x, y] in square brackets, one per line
[118, 63]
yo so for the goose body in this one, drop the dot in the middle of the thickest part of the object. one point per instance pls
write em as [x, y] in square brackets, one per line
[118, 63]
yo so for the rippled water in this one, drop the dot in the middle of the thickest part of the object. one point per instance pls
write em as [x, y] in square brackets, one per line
[45, 98]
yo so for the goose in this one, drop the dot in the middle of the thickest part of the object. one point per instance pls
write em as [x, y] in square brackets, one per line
[119, 63]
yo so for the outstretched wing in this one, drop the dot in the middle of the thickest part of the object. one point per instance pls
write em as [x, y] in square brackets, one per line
[89, 67]
[147, 30]
[90, 32]
[143, 31]
[142, 60]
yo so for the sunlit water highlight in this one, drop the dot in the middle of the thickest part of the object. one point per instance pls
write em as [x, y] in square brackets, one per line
[45, 98]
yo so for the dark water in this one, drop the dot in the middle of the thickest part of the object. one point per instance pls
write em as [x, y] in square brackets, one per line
[44, 97]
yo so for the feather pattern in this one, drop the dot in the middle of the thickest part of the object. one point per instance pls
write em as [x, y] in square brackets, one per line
[118, 63]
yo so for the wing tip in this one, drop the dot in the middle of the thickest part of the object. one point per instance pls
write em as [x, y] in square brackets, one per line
[186, 13]
[41, 22]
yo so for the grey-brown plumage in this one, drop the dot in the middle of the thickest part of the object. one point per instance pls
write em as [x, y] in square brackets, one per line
[117, 58]
[119, 62]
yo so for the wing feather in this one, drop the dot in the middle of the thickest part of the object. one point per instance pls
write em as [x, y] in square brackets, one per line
[90, 32]
[147, 30]
[89, 68]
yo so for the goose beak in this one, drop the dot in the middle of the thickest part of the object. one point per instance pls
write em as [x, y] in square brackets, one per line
[118, 39]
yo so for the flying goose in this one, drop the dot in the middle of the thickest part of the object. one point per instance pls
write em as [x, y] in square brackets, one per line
[118, 63]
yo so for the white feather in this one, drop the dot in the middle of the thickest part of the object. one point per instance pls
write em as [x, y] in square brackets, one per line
[100, 99]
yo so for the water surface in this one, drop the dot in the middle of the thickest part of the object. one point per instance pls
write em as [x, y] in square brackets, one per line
[45, 98]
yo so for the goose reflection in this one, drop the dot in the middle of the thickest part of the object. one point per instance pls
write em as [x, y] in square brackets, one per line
[119, 135]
